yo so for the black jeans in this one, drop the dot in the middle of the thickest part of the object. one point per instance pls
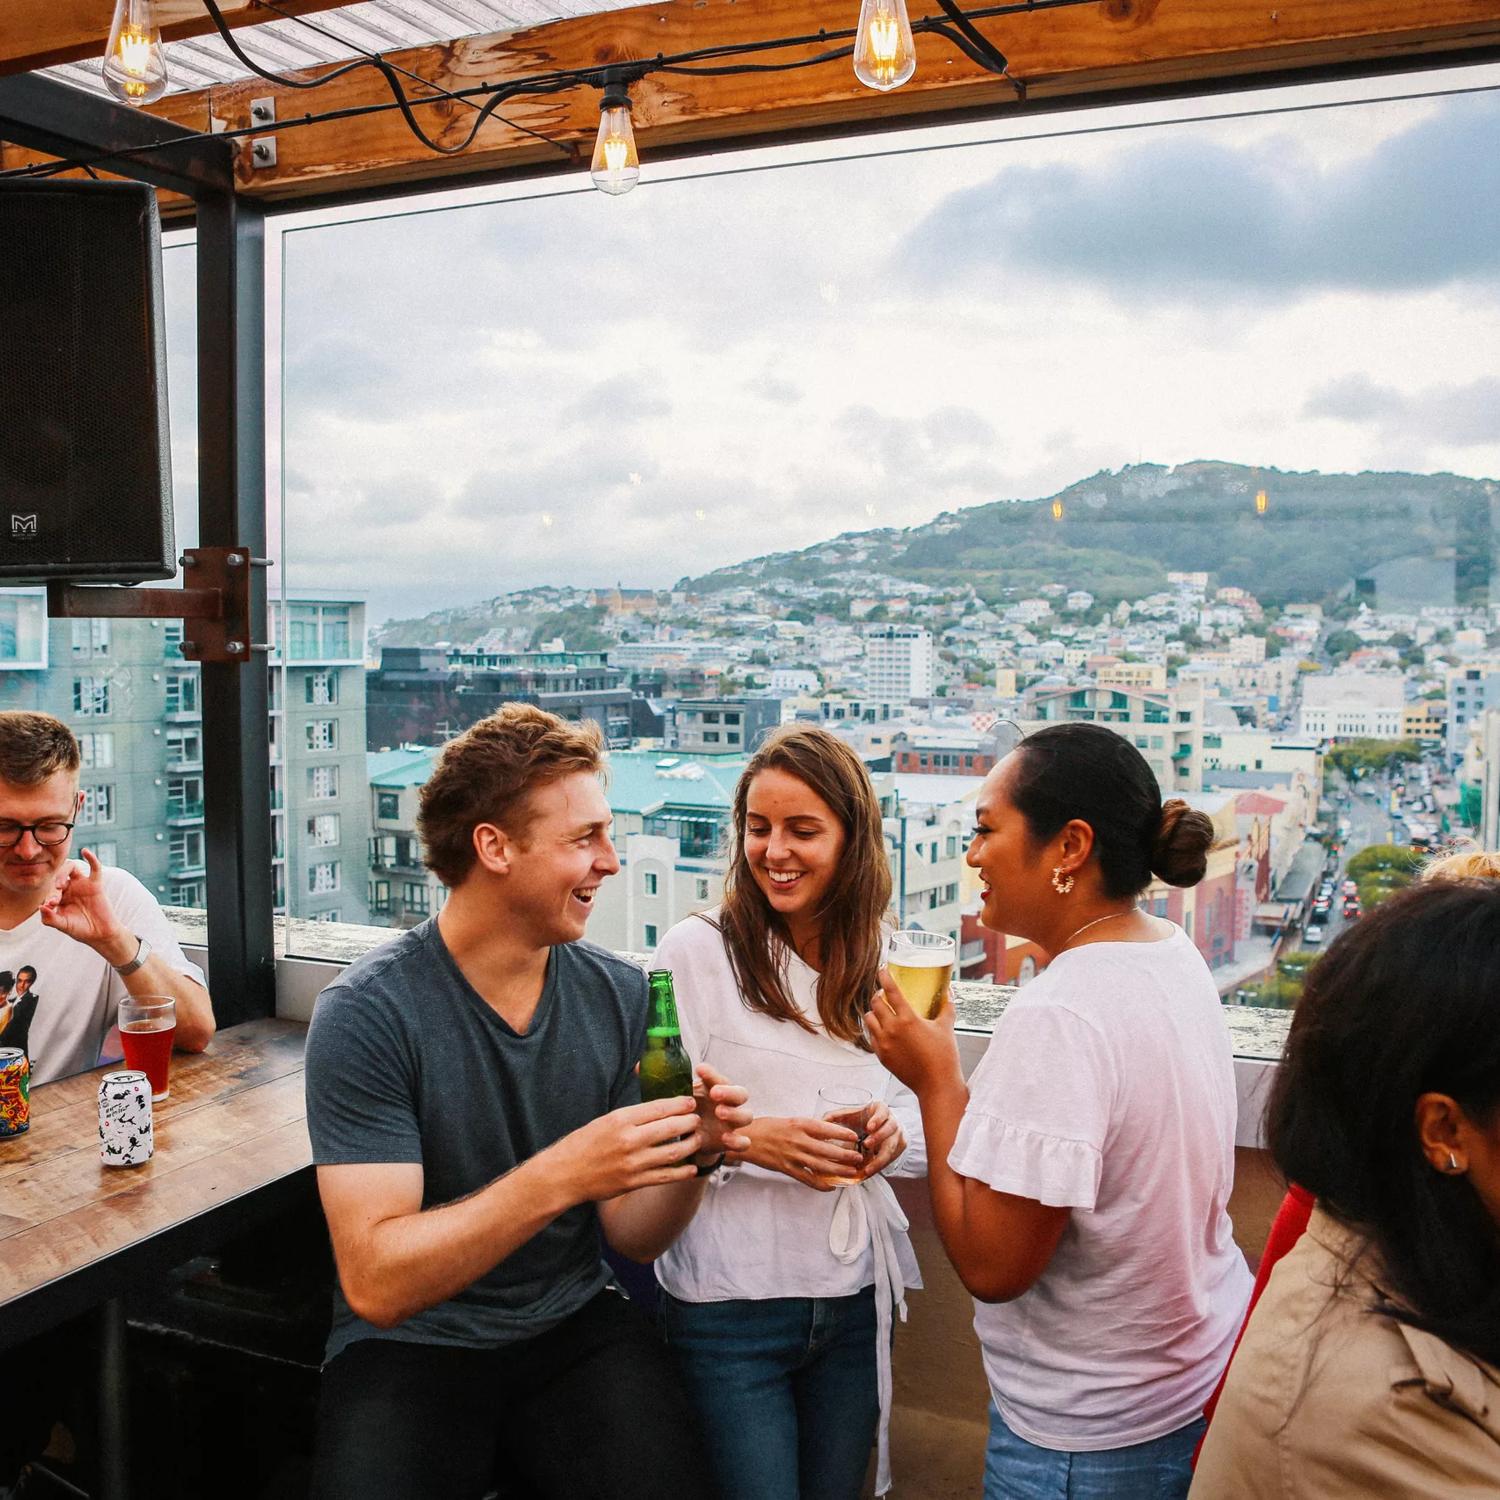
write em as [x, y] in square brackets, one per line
[592, 1408]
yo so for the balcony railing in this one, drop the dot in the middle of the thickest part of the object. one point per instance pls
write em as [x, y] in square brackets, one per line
[185, 868]
[180, 813]
[178, 765]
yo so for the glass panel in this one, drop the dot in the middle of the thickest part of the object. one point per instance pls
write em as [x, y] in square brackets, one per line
[1234, 510]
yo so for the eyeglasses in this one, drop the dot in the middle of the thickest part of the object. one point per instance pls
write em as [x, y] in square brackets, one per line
[50, 832]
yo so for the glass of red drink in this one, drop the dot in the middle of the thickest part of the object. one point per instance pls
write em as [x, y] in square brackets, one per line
[147, 1025]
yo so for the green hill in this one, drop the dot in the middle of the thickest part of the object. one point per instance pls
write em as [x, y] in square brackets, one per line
[1121, 533]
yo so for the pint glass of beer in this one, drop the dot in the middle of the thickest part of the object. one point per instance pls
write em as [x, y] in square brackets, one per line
[148, 1024]
[921, 963]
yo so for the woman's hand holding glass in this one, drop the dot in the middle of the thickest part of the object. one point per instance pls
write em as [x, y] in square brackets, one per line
[918, 1051]
[816, 1153]
[884, 1141]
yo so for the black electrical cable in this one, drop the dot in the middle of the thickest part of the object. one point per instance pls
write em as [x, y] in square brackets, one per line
[980, 49]
[386, 71]
[438, 91]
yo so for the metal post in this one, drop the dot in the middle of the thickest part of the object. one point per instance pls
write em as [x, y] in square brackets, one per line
[901, 894]
[232, 512]
[113, 1404]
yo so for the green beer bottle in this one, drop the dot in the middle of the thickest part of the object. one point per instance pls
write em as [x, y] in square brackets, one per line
[666, 1069]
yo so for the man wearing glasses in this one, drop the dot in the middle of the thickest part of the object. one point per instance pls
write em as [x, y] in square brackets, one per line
[85, 936]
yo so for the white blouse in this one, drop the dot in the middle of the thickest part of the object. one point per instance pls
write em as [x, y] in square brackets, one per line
[1108, 1088]
[759, 1233]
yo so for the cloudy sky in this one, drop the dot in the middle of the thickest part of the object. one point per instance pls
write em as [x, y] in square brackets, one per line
[760, 351]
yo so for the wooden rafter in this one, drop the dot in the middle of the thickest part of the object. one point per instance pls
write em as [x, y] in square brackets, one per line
[41, 33]
[1115, 45]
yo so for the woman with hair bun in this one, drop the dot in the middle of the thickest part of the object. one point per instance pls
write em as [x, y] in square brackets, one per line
[1080, 1180]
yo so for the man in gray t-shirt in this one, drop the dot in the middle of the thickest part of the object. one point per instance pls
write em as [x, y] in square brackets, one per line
[476, 1124]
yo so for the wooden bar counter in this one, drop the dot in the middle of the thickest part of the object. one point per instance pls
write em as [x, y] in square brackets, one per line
[231, 1150]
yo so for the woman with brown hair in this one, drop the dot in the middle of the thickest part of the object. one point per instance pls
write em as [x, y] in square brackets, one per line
[778, 1297]
[1080, 1177]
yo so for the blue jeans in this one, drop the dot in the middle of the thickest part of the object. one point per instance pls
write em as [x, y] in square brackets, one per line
[784, 1390]
[1161, 1469]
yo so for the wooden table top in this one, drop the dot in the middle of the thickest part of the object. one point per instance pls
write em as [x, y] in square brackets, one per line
[235, 1124]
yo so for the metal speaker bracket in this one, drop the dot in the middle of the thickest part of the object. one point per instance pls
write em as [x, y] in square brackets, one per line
[217, 601]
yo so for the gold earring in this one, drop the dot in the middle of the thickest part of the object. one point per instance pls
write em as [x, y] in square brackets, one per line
[1060, 883]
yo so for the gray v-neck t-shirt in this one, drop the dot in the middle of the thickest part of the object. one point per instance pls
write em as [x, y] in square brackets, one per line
[406, 1063]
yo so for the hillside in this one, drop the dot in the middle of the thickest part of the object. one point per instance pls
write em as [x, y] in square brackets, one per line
[1121, 533]
[1119, 536]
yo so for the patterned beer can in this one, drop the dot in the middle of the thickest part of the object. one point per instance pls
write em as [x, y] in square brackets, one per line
[124, 1118]
[15, 1091]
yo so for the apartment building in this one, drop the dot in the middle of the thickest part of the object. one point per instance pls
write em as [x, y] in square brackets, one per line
[112, 682]
[900, 662]
[320, 804]
[724, 726]
[1473, 690]
[1489, 747]
[135, 704]
[402, 891]
[424, 695]
[1166, 727]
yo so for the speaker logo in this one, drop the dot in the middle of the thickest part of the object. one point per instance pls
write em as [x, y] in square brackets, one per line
[22, 528]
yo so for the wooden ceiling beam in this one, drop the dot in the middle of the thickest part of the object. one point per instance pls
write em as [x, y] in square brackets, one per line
[1114, 46]
[43, 33]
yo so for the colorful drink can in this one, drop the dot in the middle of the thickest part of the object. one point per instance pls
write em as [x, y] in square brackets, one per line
[15, 1092]
[125, 1118]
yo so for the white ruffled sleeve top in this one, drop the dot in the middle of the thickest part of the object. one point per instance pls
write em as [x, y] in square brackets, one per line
[758, 1233]
[1108, 1088]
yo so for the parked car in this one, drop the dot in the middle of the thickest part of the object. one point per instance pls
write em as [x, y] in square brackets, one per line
[1312, 936]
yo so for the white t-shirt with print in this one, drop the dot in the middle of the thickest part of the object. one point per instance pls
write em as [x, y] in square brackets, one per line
[1108, 1088]
[64, 1020]
[758, 1233]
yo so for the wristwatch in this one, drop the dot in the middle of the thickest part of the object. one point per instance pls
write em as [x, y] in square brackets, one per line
[708, 1168]
[142, 953]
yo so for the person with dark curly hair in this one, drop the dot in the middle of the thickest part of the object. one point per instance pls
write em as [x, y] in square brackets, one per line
[1080, 1179]
[1371, 1366]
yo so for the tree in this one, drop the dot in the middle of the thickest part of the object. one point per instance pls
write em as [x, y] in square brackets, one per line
[1342, 644]
[1283, 989]
[1382, 870]
[1371, 756]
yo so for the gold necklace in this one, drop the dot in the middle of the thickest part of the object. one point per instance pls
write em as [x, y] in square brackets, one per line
[1108, 916]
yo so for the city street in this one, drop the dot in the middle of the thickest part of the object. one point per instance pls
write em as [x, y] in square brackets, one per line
[1365, 808]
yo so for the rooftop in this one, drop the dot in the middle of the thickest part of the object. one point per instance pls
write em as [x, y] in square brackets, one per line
[644, 781]
[393, 769]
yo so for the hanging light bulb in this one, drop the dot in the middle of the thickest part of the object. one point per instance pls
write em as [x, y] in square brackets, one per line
[616, 168]
[1261, 502]
[885, 55]
[1057, 510]
[134, 68]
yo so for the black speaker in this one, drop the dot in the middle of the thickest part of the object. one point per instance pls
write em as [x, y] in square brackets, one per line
[85, 465]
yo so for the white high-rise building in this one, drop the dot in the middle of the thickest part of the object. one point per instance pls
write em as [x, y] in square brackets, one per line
[899, 663]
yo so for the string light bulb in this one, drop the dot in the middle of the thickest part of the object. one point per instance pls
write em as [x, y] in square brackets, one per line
[1057, 510]
[135, 69]
[1261, 502]
[885, 55]
[616, 168]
